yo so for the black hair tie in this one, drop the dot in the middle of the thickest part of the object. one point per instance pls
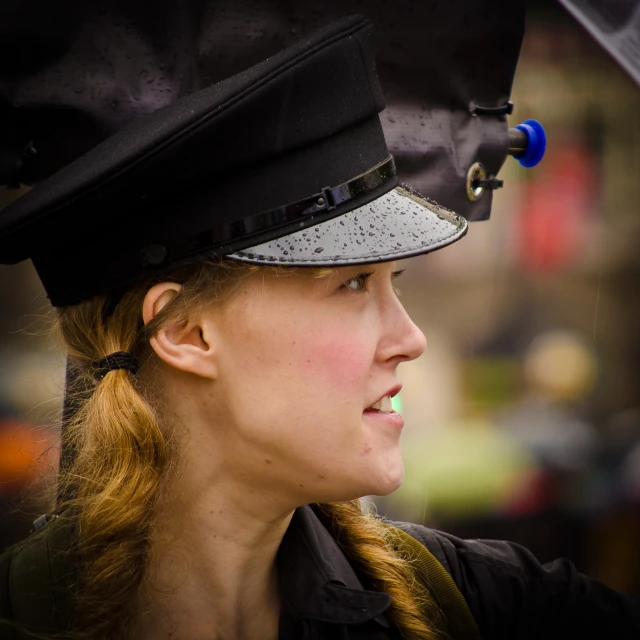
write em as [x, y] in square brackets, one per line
[117, 360]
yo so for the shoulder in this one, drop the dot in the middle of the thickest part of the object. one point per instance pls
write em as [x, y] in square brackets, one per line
[36, 577]
[512, 595]
[12, 559]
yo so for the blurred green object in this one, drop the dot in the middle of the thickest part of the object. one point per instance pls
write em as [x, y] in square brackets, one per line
[466, 468]
[396, 403]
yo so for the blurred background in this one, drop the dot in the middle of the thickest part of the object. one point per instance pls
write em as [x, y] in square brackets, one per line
[523, 417]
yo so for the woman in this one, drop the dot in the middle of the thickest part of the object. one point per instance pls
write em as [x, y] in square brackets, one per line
[235, 335]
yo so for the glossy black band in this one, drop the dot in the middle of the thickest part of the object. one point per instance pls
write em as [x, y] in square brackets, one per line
[324, 201]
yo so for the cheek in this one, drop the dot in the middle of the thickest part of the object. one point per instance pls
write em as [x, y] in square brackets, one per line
[339, 363]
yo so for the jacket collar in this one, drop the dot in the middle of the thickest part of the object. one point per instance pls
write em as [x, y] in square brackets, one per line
[317, 581]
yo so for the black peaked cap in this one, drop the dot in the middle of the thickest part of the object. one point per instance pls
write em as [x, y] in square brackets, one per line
[209, 175]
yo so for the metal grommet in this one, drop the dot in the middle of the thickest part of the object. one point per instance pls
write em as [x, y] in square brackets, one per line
[476, 172]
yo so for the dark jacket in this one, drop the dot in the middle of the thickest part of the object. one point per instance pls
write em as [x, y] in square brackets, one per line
[511, 595]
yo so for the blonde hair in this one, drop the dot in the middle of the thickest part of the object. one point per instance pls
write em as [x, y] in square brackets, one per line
[124, 452]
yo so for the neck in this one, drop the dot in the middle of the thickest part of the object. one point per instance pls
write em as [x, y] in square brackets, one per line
[212, 570]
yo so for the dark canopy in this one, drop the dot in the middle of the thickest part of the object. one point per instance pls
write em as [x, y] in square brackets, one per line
[73, 72]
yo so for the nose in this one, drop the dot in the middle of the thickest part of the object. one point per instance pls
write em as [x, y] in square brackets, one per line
[402, 339]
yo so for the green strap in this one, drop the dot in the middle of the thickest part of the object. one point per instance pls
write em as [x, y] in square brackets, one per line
[436, 578]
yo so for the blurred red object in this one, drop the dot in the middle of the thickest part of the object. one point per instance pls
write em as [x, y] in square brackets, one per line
[23, 451]
[553, 226]
[532, 491]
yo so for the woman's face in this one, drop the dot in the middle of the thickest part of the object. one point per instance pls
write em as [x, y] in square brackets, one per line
[302, 359]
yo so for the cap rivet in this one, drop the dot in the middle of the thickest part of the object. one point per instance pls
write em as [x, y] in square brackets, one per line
[154, 255]
[321, 202]
[476, 172]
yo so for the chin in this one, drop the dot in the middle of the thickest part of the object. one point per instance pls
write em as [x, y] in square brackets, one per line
[385, 490]
[386, 482]
[382, 485]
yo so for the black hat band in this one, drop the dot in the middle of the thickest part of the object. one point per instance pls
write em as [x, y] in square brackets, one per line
[325, 200]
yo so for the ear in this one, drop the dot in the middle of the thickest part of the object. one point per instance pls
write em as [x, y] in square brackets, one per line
[188, 346]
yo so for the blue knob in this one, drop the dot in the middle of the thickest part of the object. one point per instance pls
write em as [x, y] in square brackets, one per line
[536, 143]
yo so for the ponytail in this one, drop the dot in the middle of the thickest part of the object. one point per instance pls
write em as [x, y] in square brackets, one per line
[113, 482]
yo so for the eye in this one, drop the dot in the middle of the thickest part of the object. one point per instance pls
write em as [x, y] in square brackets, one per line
[357, 283]
[394, 276]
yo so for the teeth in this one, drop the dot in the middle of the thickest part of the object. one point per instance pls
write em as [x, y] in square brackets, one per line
[384, 405]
